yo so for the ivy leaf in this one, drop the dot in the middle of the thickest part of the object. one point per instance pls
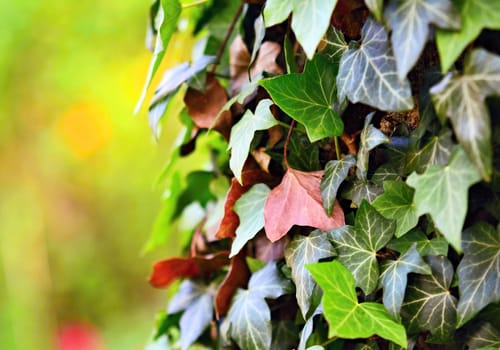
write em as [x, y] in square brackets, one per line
[376, 7]
[442, 192]
[167, 16]
[395, 276]
[346, 317]
[333, 44]
[250, 210]
[476, 15]
[309, 97]
[260, 32]
[486, 335]
[302, 154]
[367, 73]
[370, 138]
[425, 246]
[409, 21]
[360, 189]
[242, 134]
[304, 250]
[247, 90]
[335, 173]
[297, 201]
[370, 345]
[397, 203]
[285, 334]
[429, 305]
[249, 317]
[308, 329]
[357, 246]
[435, 152]
[478, 271]
[461, 98]
[309, 23]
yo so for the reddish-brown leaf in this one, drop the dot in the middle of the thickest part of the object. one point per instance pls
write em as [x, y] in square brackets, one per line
[240, 60]
[237, 277]
[168, 270]
[203, 107]
[230, 221]
[267, 251]
[297, 201]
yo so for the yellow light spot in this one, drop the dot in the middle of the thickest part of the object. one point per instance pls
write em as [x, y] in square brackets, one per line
[85, 128]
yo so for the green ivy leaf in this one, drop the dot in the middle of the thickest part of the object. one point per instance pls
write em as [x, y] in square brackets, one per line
[346, 317]
[425, 246]
[250, 210]
[333, 44]
[476, 15]
[485, 336]
[243, 132]
[285, 334]
[376, 7]
[357, 246]
[478, 272]
[309, 98]
[397, 203]
[394, 277]
[249, 317]
[260, 32]
[167, 16]
[442, 192]
[309, 23]
[435, 152]
[304, 250]
[335, 173]
[410, 21]
[429, 305]
[367, 74]
[370, 138]
[360, 189]
[302, 154]
[461, 98]
[370, 345]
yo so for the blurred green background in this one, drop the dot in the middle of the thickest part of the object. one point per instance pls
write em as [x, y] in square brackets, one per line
[77, 172]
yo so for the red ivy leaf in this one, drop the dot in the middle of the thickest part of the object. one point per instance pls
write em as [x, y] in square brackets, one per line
[267, 251]
[297, 201]
[237, 277]
[168, 270]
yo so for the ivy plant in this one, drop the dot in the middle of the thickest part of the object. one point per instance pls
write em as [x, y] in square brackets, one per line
[336, 183]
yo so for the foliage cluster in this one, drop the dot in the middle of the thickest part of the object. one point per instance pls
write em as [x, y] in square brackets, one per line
[350, 193]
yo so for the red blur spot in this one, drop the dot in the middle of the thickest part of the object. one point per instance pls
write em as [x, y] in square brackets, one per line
[76, 336]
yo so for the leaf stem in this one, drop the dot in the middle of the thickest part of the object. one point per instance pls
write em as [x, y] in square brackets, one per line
[287, 141]
[328, 341]
[193, 4]
[337, 148]
[227, 36]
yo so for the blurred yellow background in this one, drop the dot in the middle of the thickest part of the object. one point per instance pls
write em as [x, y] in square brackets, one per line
[77, 172]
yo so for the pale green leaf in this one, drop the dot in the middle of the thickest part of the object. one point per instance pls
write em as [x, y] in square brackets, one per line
[246, 91]
[394, 277]
[367, 74]
[243, 132]
[304, 250]
[260, 32]
[250, 210]
[309, 98]
[357, 246]
[309, 22]
[335, 173]
[429, 305]
[370, 138]
[376, 8]
[410, 21]
[442, 192]
[479, 270]
[461, 98]
[167, 16]
[269, 283]
[308, 329]
[425, 246]
[397, 203]
[346, 317]
[476, 15]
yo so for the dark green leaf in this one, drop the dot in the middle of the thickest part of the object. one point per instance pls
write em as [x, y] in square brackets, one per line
[357, 246]
[461, 98]
[476, 15]
[370, 345]
[394, 277]
[425, 246]
[291, 64]
[335, 173]
[285, 335]
[442, 192]
[346, 317]
[479, 270]
[409, 21]
[370, 138]
[485, 335]
[309, 98]
[429, 305]
[310, 19]
[243, 132]
[435, 152]
[302, 154]
[304, 250]
[368, 74]
[333, 44]
[397, 203]
[359, 190]
[250, 210]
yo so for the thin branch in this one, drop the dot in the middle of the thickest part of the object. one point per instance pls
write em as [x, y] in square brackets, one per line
[287, 141]
[227, 36]
[337, 147]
